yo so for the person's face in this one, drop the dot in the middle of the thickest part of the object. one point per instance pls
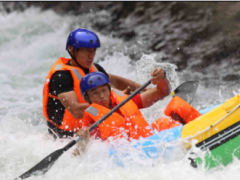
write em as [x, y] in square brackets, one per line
[85, 56]
[100, 95]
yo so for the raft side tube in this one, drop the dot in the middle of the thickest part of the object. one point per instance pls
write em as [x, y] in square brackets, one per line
[212, 122]
[221, 148]
[204, 111]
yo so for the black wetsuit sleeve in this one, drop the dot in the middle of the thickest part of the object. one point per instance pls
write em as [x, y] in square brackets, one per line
[100, 68]
[61, 82]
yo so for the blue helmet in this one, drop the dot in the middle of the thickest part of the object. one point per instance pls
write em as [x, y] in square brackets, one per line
[82, 38]
[92, 80]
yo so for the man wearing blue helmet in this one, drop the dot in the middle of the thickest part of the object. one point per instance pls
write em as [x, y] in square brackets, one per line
[128, 121]
[63, 104]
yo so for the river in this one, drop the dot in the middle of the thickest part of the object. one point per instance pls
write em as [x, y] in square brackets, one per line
[30, 42]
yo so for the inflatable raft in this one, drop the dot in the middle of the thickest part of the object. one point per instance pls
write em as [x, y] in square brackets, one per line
[216, 133]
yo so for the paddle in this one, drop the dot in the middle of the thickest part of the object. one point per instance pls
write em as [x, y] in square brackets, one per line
[186, 91]
[43, 166]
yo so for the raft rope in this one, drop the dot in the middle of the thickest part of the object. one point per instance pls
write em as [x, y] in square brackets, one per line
[200, 132]
[222, 137]
[211, 126]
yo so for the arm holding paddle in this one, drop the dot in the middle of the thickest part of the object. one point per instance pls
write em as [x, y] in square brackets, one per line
[162, 89]
[185, 91]
[124, 84]
[148, 97]
[84, 134]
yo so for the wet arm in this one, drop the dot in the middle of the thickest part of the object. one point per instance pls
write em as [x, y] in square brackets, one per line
[122, 83]
[85, 136]
[70, 101]
[151, 96]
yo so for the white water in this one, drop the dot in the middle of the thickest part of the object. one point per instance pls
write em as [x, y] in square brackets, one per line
[30, 42]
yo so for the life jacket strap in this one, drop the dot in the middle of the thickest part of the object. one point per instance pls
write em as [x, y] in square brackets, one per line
[52, 96]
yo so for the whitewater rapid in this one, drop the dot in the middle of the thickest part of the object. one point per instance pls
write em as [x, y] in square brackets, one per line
[30, 42]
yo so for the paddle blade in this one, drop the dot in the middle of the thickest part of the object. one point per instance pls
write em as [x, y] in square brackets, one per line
[43, 166]
[187, 91]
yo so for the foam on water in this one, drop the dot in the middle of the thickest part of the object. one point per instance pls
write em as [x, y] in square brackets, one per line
[30, 43]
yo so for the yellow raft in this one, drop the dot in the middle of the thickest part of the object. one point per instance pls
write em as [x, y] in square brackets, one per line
[218, 132]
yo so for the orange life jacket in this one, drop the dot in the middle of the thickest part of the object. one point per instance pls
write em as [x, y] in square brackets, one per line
[164, 123]
[69, 123]
[131, 124]
[182, 109]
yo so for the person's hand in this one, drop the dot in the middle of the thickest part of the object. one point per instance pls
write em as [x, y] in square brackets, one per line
[84, 134]
[127, 91]
[157, 74]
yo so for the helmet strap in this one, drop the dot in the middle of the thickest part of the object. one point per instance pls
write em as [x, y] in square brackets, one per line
[110, 104]
[86, 97]
[73, 58]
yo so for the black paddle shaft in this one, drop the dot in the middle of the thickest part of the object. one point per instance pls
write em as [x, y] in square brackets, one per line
[119, 105]
[48, 161]
[186, 90]
[92, 127]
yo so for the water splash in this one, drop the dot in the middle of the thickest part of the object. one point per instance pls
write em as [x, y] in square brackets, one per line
[147, 63]
[31, 42]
